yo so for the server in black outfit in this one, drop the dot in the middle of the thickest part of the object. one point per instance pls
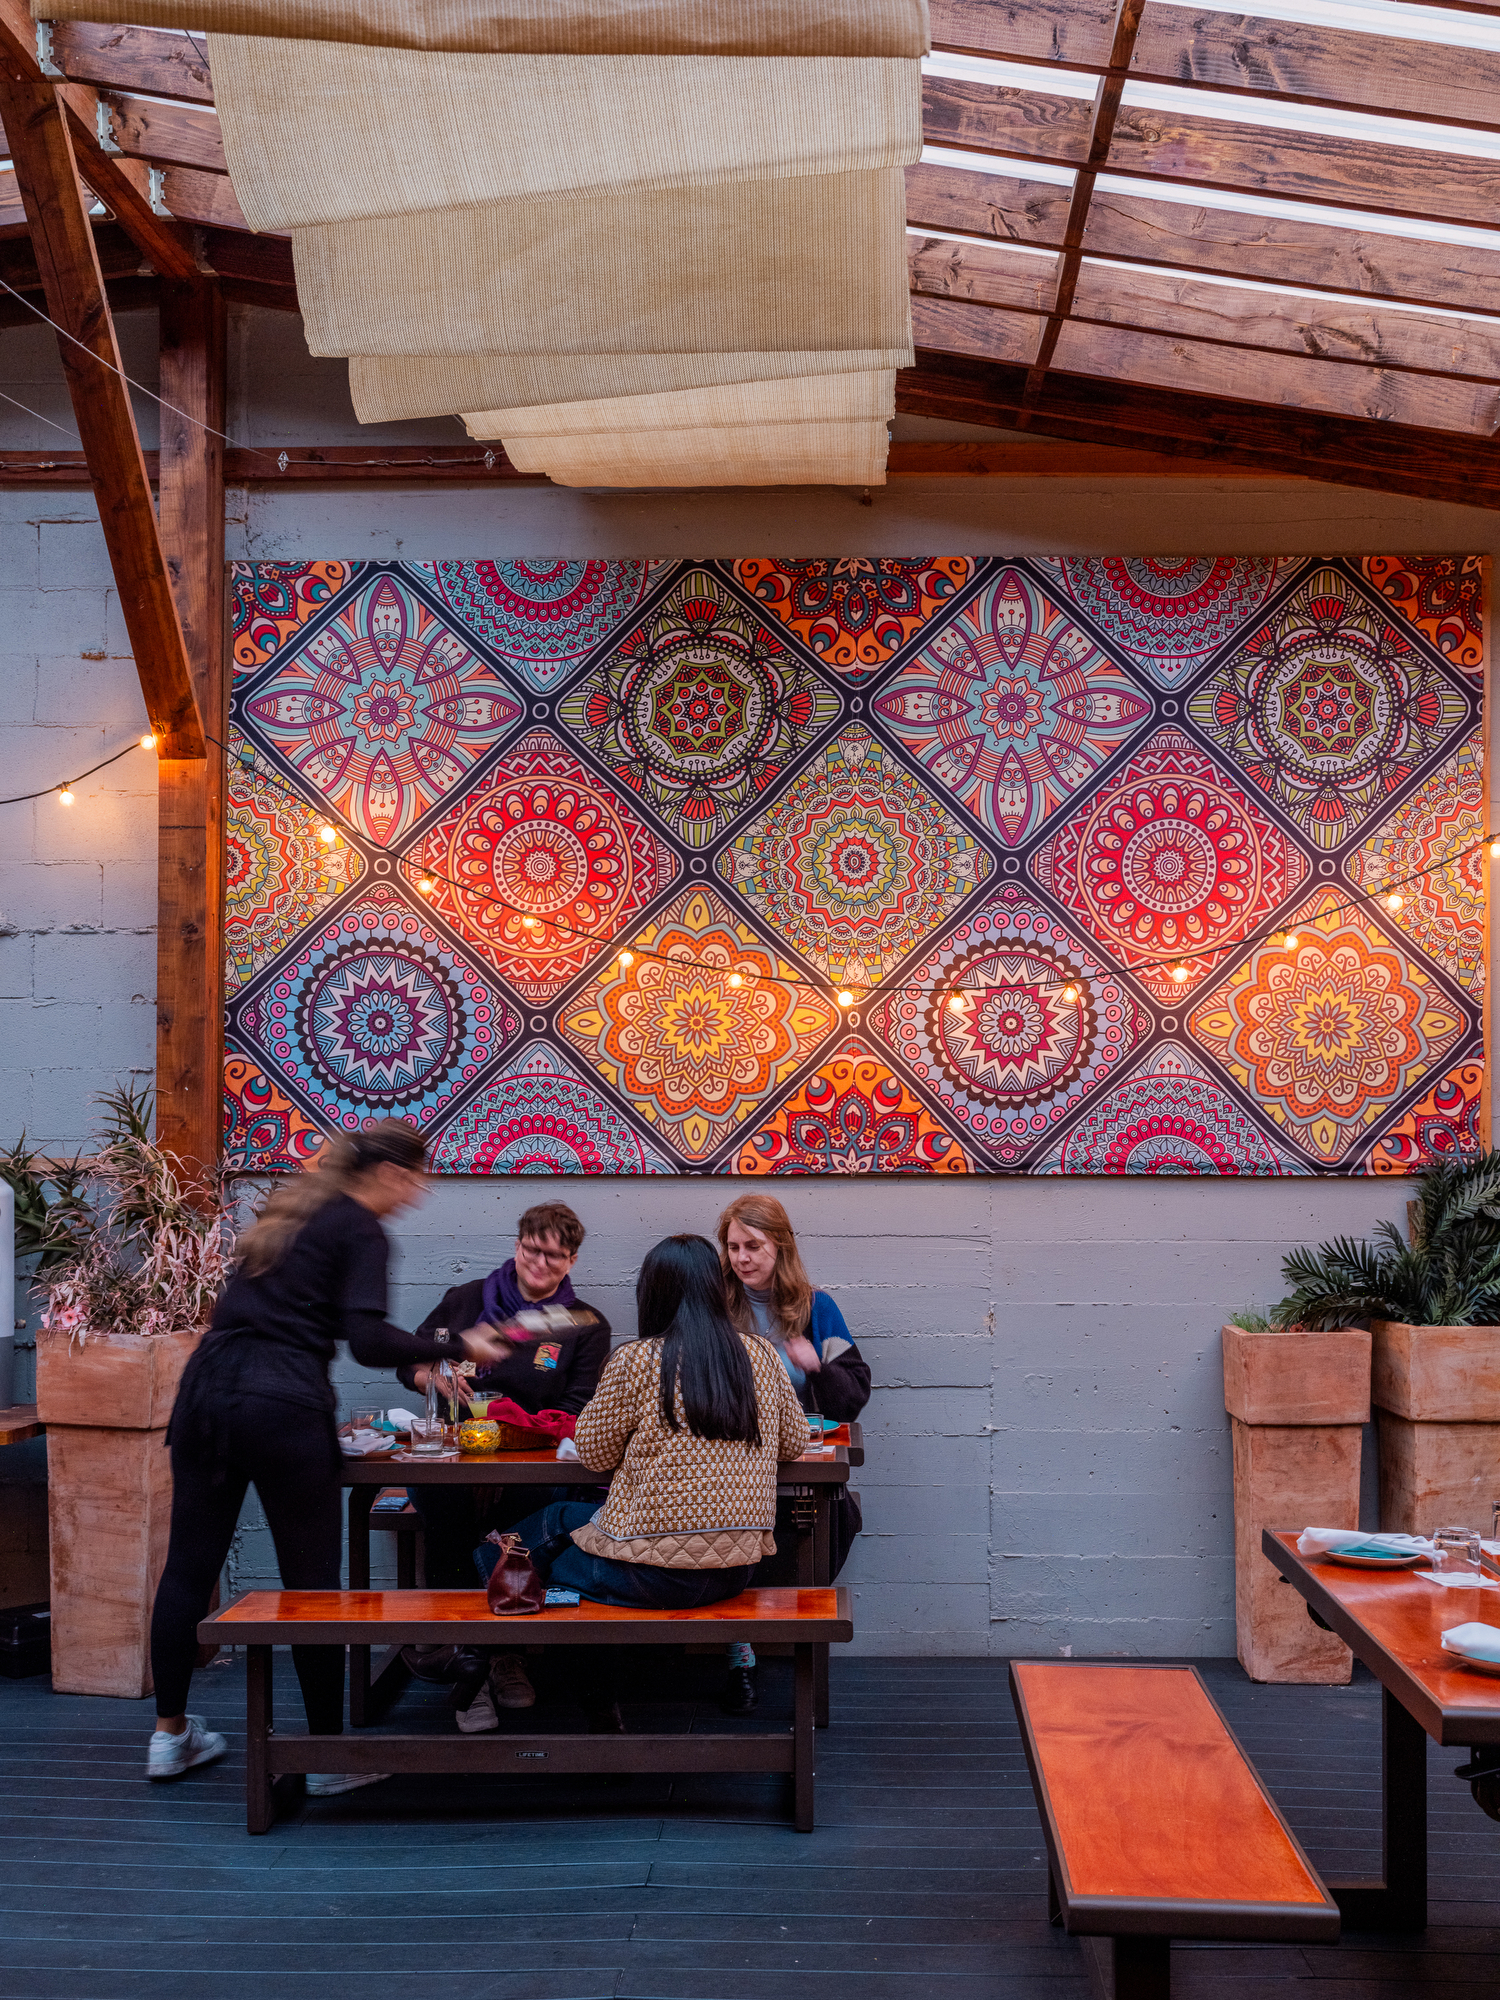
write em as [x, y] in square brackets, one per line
[256, 1406]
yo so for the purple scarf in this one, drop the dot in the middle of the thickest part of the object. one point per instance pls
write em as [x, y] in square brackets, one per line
[503, 1297]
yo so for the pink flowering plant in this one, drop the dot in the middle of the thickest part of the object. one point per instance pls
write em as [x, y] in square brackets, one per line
[155, 1250]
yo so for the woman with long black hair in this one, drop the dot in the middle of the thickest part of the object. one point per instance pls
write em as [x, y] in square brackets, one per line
[692, 1418]
[256, 1406]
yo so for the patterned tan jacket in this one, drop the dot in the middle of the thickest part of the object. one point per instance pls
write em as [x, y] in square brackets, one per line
[680, 1501]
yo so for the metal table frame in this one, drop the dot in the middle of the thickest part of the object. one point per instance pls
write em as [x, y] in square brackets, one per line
[811, 1483]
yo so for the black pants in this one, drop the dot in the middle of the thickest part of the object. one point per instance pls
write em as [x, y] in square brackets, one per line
[456, 1519]
[291, 1455]
[558, 1559]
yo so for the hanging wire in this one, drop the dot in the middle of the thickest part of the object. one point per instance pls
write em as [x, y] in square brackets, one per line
[53, 791]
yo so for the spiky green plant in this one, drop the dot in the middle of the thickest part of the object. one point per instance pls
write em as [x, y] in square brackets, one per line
[51, 1207]
[1447, 1275]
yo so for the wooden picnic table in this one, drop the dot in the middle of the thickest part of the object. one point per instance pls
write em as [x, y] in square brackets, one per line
[1393, 1622]
[812, 1482]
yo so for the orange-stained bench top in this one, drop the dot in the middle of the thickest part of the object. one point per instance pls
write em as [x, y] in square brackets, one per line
[404, 1617]
[1156, 1823]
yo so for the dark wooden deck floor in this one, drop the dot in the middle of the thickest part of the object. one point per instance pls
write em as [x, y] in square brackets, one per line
[924, 1877]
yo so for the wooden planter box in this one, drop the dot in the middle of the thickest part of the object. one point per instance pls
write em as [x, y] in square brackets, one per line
[109, 1500]
[1297, 1403]
[1436, 1391]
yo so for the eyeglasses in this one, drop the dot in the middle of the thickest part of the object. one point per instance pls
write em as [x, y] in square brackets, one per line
[544, 1255]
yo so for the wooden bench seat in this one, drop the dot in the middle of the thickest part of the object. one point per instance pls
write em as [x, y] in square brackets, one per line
[263, 1619]
[1156, 1823]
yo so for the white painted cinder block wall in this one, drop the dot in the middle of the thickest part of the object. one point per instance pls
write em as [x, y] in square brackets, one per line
[1048, 1458]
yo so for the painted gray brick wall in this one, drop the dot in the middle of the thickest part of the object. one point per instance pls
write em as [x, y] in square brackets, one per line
[1048, 1458]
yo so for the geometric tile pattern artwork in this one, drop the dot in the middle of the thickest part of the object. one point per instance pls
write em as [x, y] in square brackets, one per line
[1013, 707]
[860, 865]
[856, 863]
[1169, 862]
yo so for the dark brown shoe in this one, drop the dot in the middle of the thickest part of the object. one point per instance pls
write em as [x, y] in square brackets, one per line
[605, 1719]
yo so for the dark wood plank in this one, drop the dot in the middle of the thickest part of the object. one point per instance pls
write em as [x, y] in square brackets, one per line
[203, 198]
[176, 135]
[1074, 33]
[19, 1423]
[74, 289]
[940, 268]
[1019, 124]
[142, 59]
[1153, 1808]
[996, 205]
[911, 459]
[190, 796]
[959, 327]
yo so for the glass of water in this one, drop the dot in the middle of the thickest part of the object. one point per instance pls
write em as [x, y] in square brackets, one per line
[1456, 1549]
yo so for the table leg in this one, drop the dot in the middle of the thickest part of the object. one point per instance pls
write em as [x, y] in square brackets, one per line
[804, 1743]
[406, 1558]
[1399, 1901]
[361, 1500]
[822, 1565]
[1142, 1968]
[260, 1802]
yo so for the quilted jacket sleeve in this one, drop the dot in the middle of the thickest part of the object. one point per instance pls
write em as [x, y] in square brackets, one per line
[792, 1434]
[613, 1411]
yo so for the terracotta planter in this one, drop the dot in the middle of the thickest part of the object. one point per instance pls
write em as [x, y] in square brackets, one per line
[1437, 1397]
[105, 1404]
[1297, 1403]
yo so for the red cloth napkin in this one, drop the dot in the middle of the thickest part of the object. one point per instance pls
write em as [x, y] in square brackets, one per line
[553, 1424]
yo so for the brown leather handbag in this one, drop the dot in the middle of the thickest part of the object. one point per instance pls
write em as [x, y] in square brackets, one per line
[514, 1585]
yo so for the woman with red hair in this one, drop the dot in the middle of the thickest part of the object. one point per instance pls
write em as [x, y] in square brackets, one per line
[770, 1293]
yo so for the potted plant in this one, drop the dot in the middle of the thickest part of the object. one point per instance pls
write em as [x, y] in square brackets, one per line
[144, 1256]
[1298, 1400]
[47, 1205]
[1432, 1304]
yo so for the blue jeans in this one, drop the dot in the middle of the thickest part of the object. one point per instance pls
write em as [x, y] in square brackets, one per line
[548, 1534]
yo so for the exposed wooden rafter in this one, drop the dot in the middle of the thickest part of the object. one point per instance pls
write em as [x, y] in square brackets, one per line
[73, 286]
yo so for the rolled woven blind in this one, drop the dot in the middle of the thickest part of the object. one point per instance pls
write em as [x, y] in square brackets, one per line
[869, 396]
[746, 455]
[818, 262]
[541, 27]
[321, 132]
[388, 388]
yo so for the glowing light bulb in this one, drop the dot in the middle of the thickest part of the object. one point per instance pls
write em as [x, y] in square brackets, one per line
[65, 796]
[529, 922]
[148, 742]
[1179, 974]
[1495, 850]
[846, 999]
[956, 1002]
[1070, 994]
[1291, 940]
[1394, 902]
[627, 958]
[735, 979]
[426, 886]
[327, 834]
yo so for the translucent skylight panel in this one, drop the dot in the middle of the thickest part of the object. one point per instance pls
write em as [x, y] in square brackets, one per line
[1010, 75]
[1365, 17]
[1292, 211]
[1272, 290]
[987, 163]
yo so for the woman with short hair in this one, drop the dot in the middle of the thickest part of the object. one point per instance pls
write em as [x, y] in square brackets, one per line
[256, 1407]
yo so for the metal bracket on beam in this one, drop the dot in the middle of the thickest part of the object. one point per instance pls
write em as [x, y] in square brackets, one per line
[45, 59]
[104, 128]
[156, 186]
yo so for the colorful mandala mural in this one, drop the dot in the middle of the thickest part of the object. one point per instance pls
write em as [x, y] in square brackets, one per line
[1167, 614]
[540, 866]
[700, 710]
[1330, 708]
[541, 1115]
[702, 1027]
[1434, 847]
[383, 711]
[856, 864]
[1170, 862]
[855, 612]
[1169, 1116]
[928, 865]
[542, 618]
[1329, 1036]
[1012, 707]
[853, 1115]
[279, 874]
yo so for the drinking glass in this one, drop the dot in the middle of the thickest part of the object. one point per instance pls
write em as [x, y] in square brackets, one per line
[427, 1437]
[1456, 1549]
[363, 1416]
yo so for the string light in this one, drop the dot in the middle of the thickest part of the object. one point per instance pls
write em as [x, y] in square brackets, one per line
[1179, 974]
[1290, 940]
[735, 979]
[1394, 902]
[529, 922]
[627, 958]
[1495, 850]
[65, 795]
[148, 742]
[846, 999]
[426, 886]
[1070, 994]
[328, 834]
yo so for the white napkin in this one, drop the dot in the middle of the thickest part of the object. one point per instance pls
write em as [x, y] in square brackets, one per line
[1458, 1579]
[567, 1449]
[402, 1419]
[1319, 1541]
[1479, 1642]
[358, 1444]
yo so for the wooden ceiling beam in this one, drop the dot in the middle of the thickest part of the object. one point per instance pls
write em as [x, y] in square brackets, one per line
[124, 186]
[1106, 111]
[1382, 457]
[73, 284]
[140, 59]
[176, 135]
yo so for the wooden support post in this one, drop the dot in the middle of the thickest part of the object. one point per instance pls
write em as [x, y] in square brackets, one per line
[190, 799]
[47, 174]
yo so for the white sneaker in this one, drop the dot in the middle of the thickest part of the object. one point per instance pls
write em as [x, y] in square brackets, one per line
[508, 1683]
[480, 1713]
[169, 1756]
[327, 1784]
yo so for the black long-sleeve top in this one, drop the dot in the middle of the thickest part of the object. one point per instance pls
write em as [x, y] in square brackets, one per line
[330, 1285]
[559, 1372]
